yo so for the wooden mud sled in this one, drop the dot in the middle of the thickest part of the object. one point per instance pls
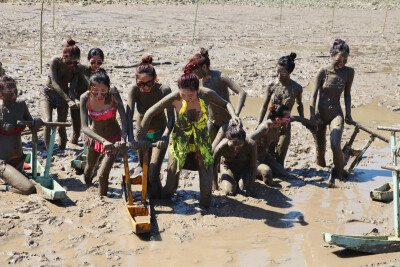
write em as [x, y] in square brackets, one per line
[80, 161]
[376, 244]
[46, 186]
[135, 195]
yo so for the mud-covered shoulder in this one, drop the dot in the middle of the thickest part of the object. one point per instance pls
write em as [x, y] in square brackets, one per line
[84, 97]
[297, 87]
[349, 69]
[165, 89]
[215, 74]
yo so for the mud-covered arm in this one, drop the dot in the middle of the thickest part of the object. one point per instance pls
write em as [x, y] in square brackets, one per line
[347, 96]
[253, 162]
[264, 107]
[130, 111]
[238, 90]
[260, 130]
[122, 114]
[154, 110]
[300, 108]
[217, 159]
[72, 86]
[37, 123]
[212, 97]
[316, 87]
[170, 115]
[55, 81]
[85, 120]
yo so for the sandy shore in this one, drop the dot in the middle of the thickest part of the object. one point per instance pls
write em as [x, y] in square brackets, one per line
[279, 225]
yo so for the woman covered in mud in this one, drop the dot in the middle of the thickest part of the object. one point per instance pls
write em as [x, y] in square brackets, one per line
[191, 145]
[239, 161]
[215, 80]
[144, 94]
[104, 135]
[95, 58]
[284, 91]
[57, 94]
[11, 155]
[330, 83]
[264, 135]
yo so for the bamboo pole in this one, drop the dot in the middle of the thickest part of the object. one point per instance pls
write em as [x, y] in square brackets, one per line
[41, 38]
[333, 12]
[195, 21]
[280, 17]
[384, 23]
[54, 11]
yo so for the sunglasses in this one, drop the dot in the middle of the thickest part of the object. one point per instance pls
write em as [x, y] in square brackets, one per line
[10, 86]
[145, 84]
[96, 62]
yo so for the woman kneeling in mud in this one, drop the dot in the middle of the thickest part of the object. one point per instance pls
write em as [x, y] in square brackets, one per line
[57, 94]
[104, 135]
[284, 91]
[146, 93]
[264, 135]
[216, 81]
[11, 154]
[191, 145]
[329, 84]
[239, 161]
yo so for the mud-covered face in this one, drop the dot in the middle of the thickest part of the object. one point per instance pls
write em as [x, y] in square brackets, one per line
[69, 60]
[99, 91]
[282, 73]
[188, 94]
[95, 63]
[340, 60]
[236, 144]
[284, 121]
[145, 82]
[9, 93]
[201, 72]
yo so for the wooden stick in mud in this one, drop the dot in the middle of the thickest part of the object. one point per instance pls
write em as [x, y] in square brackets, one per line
[384, 23]
[280, 17]
[333, 12]
[41, 37]
[195, 21]
[54, 7]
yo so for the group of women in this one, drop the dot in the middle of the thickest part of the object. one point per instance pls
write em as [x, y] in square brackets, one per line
[207, 134]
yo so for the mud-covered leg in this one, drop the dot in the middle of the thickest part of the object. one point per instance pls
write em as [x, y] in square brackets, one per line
[62, 114]
[205, 175]
[104, 172]
[157, 159]
[46, 109]
[92, 160]
[212, 130]
[320, 144]
[265, 172]
[277, 169]
[17, 180]
[336, 138]
[228, 182]
[172, 182]
[283, 145]
[76, 125]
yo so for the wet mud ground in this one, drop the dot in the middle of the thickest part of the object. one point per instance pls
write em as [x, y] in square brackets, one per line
[279, 225]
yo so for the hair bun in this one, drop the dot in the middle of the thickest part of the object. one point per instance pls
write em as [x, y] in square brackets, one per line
[293, 55]
[190, 67]
[204, 52]
[70, 41]
[147, 60]
[273, 107]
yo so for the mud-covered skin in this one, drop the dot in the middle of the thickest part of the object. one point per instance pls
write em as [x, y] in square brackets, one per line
[2, 71]
[329, 85]
[285, 92]
[99, 131]
[11, 146]
[59, 77]
[236, 165]
[218, 116]
[205, 173]
[144, 101]
[264, 136]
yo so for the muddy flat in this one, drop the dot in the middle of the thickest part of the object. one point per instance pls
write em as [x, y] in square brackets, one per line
[278, 225]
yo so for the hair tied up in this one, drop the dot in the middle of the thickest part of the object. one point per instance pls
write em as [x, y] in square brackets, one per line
[147, 60]
[204, 52]
[293, 55]
[273, 108]
[190, 67]
[70, 41]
